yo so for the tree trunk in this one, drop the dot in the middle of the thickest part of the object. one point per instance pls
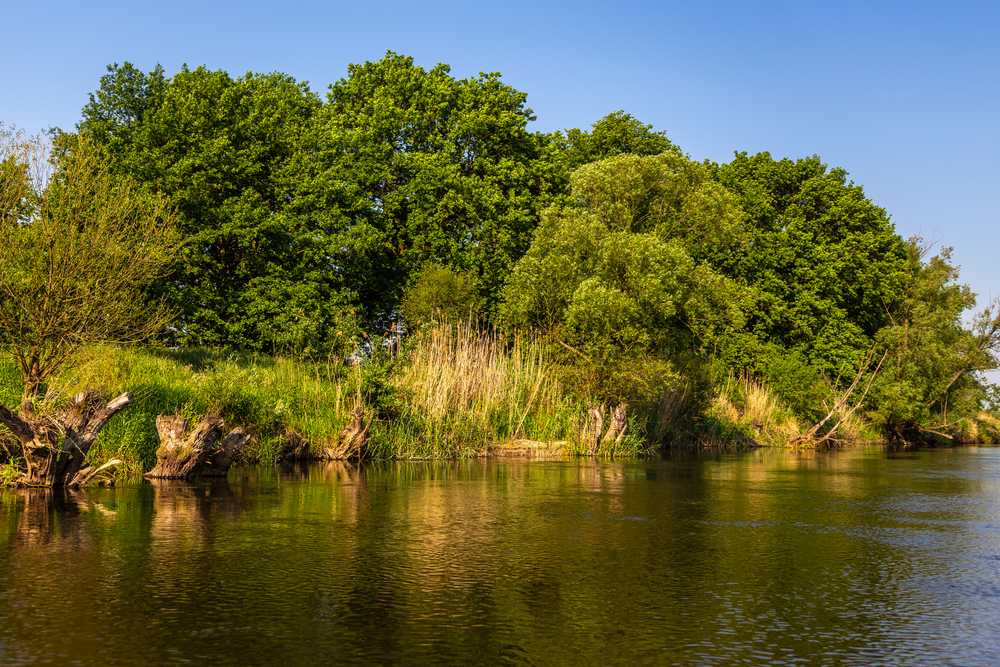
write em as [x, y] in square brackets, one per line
[56, 446]
[182, 452]
[222, 457]
[353, 442]
[617, 429]
[593, 427]
[591, 436]
[294, 447]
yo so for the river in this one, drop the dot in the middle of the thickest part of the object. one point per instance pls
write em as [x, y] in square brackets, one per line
[863, 556]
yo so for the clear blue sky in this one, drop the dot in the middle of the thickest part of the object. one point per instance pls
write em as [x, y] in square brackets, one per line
[904, 95]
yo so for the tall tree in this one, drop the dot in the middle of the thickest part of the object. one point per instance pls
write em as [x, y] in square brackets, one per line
[617, 133]
[931, 357]
[254, 273]
[416, 166]
[613, 277]
[821, 259]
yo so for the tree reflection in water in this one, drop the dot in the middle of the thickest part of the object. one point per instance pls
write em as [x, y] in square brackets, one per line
[766, 556]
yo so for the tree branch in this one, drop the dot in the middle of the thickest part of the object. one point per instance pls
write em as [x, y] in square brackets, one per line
[18, 426]
[572, 349]
[102, 415]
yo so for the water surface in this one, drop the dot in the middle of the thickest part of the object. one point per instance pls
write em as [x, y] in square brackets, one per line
[853, 557]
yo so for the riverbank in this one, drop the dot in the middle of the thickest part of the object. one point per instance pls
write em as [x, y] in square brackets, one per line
[453, 392]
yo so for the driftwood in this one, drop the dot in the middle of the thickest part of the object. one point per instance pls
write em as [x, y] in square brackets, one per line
[353, 442]
[55, 446]
[593, 427]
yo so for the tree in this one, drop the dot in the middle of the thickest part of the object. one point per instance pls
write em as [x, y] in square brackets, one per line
[618, 133]
[413, 166]
[255, 274]
[613, 278]
[932, 358]
[75, 263]
[439, 294]
[821, 262]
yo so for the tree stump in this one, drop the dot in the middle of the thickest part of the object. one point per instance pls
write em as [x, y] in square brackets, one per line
[221, 459]
[590, 435]
[55, 446]
[353, 441]
[181, 452]
[294, 447]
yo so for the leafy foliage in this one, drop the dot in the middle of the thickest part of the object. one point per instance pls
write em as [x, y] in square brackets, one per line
[618, 133]
[221, 149]
[612, 278]
[931, 355]
[415, 166]
[77, 257]
[822, 261]
[312, 223]
[439, 295]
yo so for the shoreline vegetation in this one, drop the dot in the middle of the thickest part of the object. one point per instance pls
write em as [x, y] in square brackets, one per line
[210, 270]
[453, 392]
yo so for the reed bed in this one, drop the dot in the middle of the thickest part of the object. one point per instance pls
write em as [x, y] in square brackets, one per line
[744, 408]
[467, 392]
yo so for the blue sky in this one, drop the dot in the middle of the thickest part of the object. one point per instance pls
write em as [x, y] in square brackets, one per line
[904, 95]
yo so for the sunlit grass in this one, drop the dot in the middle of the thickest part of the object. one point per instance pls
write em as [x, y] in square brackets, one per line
[467, 390]
[458, 392]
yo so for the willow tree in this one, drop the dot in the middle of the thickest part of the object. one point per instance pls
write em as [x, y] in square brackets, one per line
[78, 249]
[613, 278]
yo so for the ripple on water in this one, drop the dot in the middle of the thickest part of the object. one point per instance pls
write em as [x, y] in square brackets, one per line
[856, 558]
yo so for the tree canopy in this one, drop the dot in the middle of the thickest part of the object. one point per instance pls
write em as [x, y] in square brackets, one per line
[613, 277]
[406, 191]
[823, 262]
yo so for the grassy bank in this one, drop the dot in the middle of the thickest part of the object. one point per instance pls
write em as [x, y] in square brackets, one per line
[456, 392]
[453, 392]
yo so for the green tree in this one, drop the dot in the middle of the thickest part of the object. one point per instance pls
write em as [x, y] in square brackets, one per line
[617, 133]
[931, 357]
[77, 259]
[415, 166]
[821, 262]
[613, 278]
[120, 106]
[75, 262]
[255, 273]
[439, 294]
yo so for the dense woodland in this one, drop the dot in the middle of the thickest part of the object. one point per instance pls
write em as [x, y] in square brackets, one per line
[342, 228]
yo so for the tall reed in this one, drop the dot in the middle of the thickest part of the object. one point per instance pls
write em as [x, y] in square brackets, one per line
[743, 408]
[466, 391]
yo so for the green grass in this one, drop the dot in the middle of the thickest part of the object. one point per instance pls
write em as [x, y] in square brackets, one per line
[453, 393]
[265, 393]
